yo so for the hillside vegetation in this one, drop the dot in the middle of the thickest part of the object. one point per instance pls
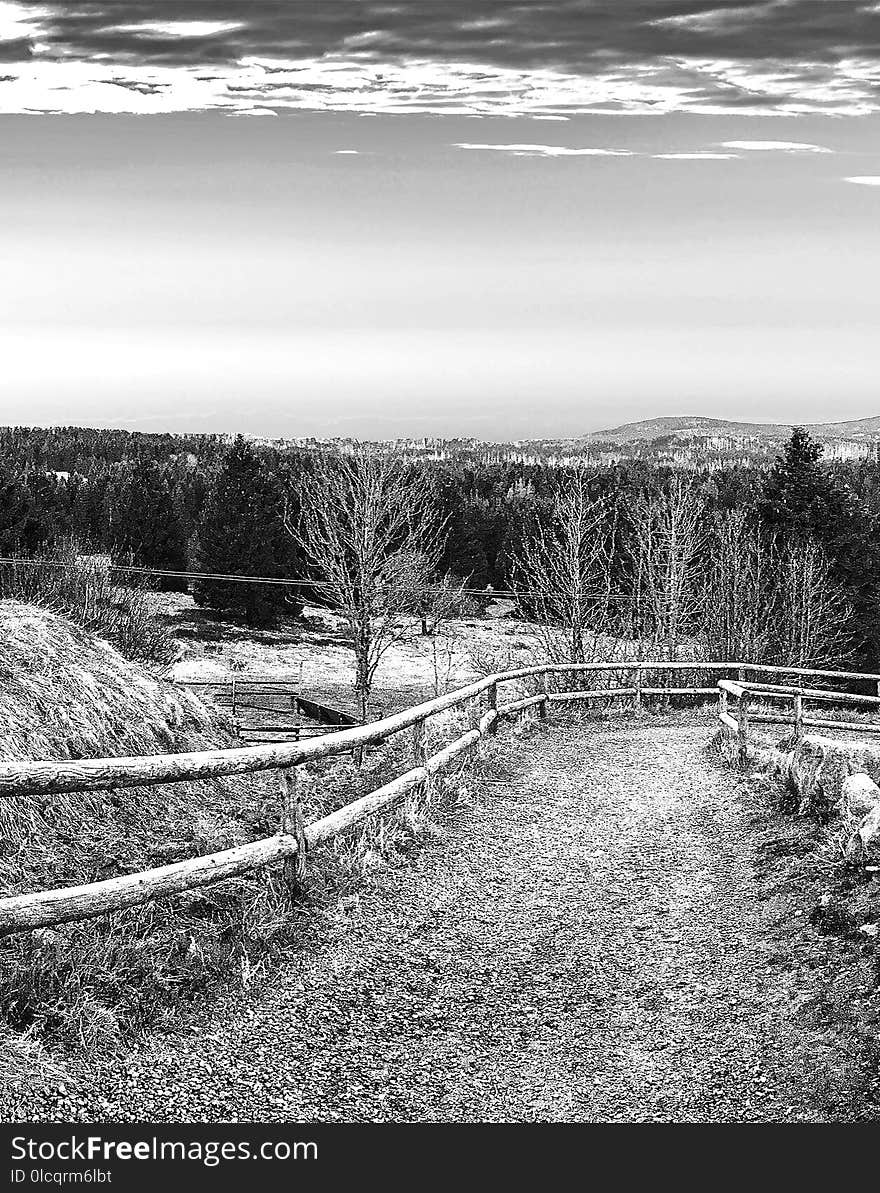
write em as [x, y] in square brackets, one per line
[88, 989]
[695, 426]
[67, 694]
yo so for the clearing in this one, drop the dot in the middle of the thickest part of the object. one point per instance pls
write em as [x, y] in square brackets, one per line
[414, 669]
[589, 943]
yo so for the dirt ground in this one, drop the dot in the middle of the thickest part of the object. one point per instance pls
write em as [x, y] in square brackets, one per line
[610, 931]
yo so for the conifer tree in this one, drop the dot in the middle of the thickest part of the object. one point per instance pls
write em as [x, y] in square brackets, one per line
[143, 526]
[242, 533]
[14, 512]
[803, 502]
[798, 494]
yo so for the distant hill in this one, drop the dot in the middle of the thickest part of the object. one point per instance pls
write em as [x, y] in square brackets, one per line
[684, 428]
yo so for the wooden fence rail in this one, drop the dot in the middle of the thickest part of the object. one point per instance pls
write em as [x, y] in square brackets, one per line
[746, 693]
[20, 913]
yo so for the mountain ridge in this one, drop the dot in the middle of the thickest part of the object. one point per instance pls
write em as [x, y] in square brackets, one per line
[697, 427]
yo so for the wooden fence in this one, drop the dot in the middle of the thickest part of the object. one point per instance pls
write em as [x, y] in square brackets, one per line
[271, 708]
[752, 696]
[289, 846]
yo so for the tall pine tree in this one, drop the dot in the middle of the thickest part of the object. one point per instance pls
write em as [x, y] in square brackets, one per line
[802, 500]
[242, 533]
[143, 526]
[798, 494]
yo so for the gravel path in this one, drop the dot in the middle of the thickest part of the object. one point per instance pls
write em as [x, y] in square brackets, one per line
[584, 946]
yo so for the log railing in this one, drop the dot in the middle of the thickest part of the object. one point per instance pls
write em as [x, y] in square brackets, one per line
[290, 845]
[752, 696]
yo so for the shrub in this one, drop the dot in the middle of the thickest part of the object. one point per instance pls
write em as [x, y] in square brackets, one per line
[81, 587]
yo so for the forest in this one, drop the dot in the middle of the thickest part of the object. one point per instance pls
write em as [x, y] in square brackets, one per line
[778, 563]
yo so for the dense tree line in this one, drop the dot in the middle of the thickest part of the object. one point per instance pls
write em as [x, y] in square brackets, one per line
[214, 504]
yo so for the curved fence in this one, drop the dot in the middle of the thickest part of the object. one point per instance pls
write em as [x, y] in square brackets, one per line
[290, 845]
[751, 698]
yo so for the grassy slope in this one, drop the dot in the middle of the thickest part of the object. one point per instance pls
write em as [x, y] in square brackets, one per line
[66, 694]
[91, 987]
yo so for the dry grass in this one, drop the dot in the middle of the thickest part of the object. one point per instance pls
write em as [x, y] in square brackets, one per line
[92, 986]
[80, 586]
[66, 694]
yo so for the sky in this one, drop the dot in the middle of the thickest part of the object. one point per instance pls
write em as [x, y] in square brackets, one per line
[496, 219]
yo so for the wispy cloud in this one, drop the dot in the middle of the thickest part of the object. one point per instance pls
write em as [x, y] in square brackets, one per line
[865, 179]
[697, 157]
[776, 146]
[544, 150]
[185, 29]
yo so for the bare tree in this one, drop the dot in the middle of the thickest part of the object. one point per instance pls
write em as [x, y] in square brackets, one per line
[774, 599]
[666, 537]
[561, 567]
[370, 529]
[813, 614]
[740, 594]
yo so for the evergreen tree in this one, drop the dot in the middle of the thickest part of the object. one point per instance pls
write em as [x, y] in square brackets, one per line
[802, 500]
[28, 513]
[464, 555]
[242, 533]
[798, 493]
[142, 523]
[15, 511]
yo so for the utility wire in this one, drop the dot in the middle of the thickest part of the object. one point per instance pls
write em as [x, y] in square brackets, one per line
[486, 593]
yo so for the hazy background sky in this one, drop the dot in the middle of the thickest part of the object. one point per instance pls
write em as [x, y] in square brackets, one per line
[495, 219]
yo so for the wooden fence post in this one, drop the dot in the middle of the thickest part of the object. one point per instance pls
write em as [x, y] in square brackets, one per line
[418, 743]
[798, 718]
[542, 691]
[722, 703]
[492, 703]
[743, 732]
[638, 684]
[292, 825]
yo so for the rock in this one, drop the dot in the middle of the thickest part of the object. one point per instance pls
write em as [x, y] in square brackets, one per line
[859, 796]
[860, 807]
[869, 829]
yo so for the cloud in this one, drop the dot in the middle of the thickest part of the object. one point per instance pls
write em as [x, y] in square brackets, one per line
[348, 152]
[185, 29]
[20, 21]
[776, 146]
[505, 57]
[544, 150]
[697, 157]
[719, 20]
[865, 179]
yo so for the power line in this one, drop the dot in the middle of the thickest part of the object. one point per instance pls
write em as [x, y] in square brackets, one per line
[323, 585]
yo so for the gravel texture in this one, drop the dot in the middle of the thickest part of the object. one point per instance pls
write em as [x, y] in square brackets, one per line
[586, 944]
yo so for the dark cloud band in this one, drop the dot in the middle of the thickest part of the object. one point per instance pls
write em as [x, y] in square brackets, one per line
[732, 54]
[569, 35]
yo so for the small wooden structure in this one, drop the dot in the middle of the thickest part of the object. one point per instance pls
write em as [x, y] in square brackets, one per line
[271, 707]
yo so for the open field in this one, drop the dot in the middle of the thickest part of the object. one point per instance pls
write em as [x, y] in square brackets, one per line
[412, 670]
